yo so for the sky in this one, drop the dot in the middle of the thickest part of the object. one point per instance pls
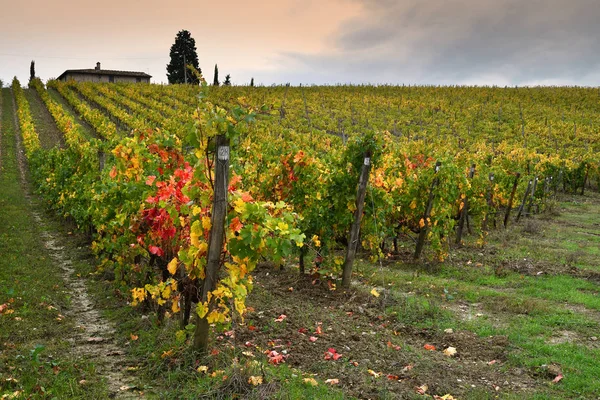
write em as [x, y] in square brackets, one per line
[440, 42]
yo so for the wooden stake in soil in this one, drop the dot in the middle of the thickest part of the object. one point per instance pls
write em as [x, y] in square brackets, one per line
[464, 212]
[490, 204]
[524, 200]
[217, 235]
[355, 230]
[423, 231]
[512, 198]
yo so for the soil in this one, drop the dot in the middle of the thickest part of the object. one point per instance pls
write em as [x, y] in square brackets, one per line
[354, 323]
[49, 134]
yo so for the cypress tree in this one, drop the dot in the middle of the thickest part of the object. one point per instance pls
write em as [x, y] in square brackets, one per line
[32, 71]
[216, 78]
[252, 82]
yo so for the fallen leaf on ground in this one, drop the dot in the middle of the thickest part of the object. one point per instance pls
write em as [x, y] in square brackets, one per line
[557, 379]
[331, 354]
[313, 338]
[450, 351]
[429, 347]
[280, 318]
[332, 381]
[133, 337]
[444, 397]
[421, 389]
[373, 373]
[311, 381]
[202, 368]
[255, 380]
[393, 377]
[374, 292]
[492, 362]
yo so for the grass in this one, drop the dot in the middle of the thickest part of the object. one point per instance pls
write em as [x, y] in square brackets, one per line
[34, 356]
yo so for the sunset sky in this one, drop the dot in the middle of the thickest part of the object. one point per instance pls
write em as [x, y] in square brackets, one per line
[501, 42]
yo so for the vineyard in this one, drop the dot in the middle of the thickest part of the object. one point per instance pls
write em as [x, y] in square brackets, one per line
[418, 217]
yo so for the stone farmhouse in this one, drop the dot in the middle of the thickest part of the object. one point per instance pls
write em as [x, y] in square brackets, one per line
[104, 75]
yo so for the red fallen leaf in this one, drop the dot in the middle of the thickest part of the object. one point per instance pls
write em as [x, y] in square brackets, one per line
[214, 352]
[313, 339]
[303, 331]
[429, 347]
[354, 363]
[557, 379]
[492, 362]
[275, 357]
[393, 346]
[331, 354]
[281, 317]
[252, 328]
[236, 225]
[349, 313]
[248, 344]
[393, 377]
[319, 330]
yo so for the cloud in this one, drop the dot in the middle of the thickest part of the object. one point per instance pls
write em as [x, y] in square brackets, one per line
[461, 41]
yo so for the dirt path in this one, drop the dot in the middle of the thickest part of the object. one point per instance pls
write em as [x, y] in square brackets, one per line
[49, 134]
[95, 338]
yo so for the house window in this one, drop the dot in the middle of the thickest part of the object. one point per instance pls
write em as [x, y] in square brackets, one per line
[111, 79]
[138, 80]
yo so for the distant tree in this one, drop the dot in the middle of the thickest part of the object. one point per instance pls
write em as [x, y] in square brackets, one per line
[252, 82]
[183, 54]
[216, 78]
[32, 71]
[227, 80]
[1, 84]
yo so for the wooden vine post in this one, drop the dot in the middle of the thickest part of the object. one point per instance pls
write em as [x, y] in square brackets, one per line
[217, 236]
[512, 198]
[427, 214]
[464, 212]
[358, 212]
[522, 207]
[490, 204]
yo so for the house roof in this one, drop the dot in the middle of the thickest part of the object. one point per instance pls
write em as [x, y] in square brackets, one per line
[93, 71]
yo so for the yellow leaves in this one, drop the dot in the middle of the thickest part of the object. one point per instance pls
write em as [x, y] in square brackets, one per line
[316, 241]
[216, 317]
[375, 293]
[202, 309]
[172, 266]
[202, 369]
[255, 380]
[374, 374]
[195, 233]
[421, 223]
[206, 224]
[311, 381]
[175, 305]
[138, 294]
[413, 204]
[239, 205]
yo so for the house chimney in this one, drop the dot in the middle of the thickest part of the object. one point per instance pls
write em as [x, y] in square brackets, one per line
[97, 66]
